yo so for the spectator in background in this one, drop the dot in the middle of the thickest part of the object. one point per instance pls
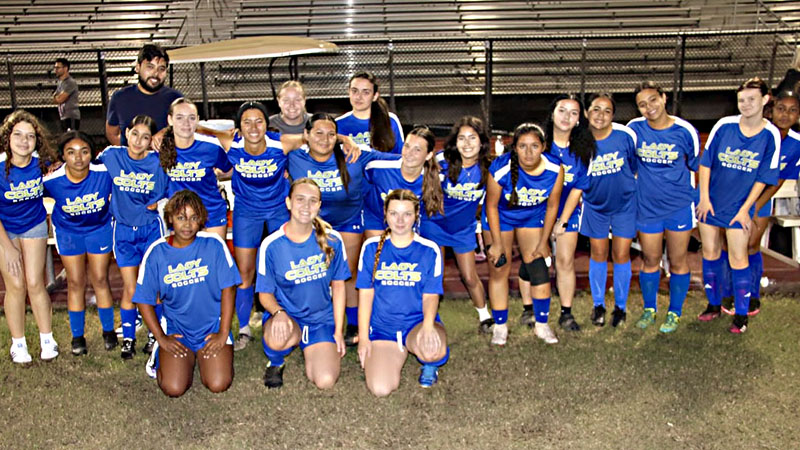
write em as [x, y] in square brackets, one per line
[293, 116]
[149, 96]
[66, 97]
[792, 75]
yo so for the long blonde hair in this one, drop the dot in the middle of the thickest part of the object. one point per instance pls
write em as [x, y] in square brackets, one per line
[321, 227]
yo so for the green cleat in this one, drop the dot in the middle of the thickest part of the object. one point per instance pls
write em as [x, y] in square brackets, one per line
[648, 318]
[671, 324]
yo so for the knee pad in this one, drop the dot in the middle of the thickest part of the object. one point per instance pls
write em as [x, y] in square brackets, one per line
[537, 271]
[523, 272]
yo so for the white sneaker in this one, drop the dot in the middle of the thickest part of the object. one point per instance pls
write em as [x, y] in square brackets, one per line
[543, 332]
[255, 319]
[49, 350]
[500, 334]
[19, 354]
[150, 366]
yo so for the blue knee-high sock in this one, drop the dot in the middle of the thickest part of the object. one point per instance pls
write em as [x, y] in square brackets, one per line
[622, 284]
[756, 263]
[106, 318]
[712, 277]
[500, 316]
[741, 289]
[275, 357]
[726, 283]
[244, 304]
[352, 315]
[678, 288]
[598, 272]
[438, 363]
[77, 321]
[128, 318]
[541, 309]
[649, 282]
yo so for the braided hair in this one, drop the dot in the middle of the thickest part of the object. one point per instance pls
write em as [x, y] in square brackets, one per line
[400, 195]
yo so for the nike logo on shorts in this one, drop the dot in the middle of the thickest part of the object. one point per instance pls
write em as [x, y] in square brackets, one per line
[102, 249]
[680, 227]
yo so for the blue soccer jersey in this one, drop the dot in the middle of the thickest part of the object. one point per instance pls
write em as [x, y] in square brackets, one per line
[194, 171]
[136, 184]
[532, 191]
[612, 185]
[790, 156]
[737, 162]
[665, 160]
[339, 206]
[298, 276]
[383, 177]
[575, 177]
[258, 181]
[403, 275]
[21, 206]
[81, 207]
[358, 129]
[189, 281]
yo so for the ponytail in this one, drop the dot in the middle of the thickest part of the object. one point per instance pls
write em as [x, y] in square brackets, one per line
[341, 164]
[514, 177]
[381, 135]
[377, 260]
[168, 154]
[321, 229]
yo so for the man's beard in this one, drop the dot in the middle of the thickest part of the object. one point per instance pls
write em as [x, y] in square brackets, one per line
[146, 87]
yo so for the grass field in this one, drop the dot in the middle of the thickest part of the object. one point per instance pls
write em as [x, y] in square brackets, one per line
[601, 388]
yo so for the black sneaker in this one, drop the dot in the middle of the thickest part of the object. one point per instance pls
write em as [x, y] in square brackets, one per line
[79, 346]
[128, 348]
[485, 326]
[711, 313]
[110, 340]
[148, 346]
[567, 322]
[351, 336]
[273, 376]
[599, 315]
[527, 318]
[618, 316]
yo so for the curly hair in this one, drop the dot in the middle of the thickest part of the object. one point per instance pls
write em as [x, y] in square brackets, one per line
[453, 157]
[179, 201]
[43, 145]
[168, 153]
[581, 141]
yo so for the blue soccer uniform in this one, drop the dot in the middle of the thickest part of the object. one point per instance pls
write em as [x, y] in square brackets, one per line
[533, 192]
[384, 176]
[358, 129]
[788, 166]
[575, 177]
[21, 206]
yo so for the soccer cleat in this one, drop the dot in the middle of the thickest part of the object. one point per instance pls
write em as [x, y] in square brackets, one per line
[79, 346]
[711, 313]
[648, 318]
[20, 355]
[110, 340]
[150, 365]
[139, 325]
[351, 335]
[727, 306]
[755, 307]
[273, 376]
[428, 376]
[739, 324]
[148, 346]
[49, 350]
[599, 315]
[527, 318]
[500, 334]
[485, 326]
[567, 322]
[545, 333]
[241, 342]
[671, 324]
[128, 349]
[618, 316]
[255, 319]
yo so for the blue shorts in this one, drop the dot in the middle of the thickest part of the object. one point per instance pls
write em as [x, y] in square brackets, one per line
[461, 239]
[38, 231]
[393, 334]
[373, 222]
[681, 220]
[310, 333]
[98, 242]
[249, 232]
[574, 222]
[596, 225]
[130, 243]
[354, 224]
[766, 210]
[217, 220]
[510, 223]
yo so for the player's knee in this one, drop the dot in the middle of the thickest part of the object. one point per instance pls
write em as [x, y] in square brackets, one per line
[219, 383]
[565, 263]
[471, 279]
[173, 388]
[325, 380]
[381, 388]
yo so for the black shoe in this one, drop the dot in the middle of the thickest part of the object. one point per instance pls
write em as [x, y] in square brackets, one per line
[128, 348]
[273, 376]
[148, 347]
[110, 340]
[618, 316]
[599, 315]
[755, 307]
[351, 336]
[527, 318]
[739, 324]
[79, 346]
[567, 322]
[485, 326]
[728, 306]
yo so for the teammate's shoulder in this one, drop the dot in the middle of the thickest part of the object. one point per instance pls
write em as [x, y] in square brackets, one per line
[427, 243]
[500, 166]
[157, 246]
[636, 122]
[344, 116]
[97, 167]
[551, 162]
[274, 236]
[56, 174]
[207, 139]
[384, 164]
[374, 240]
[623, 129]
[685, 124]
[795, 136]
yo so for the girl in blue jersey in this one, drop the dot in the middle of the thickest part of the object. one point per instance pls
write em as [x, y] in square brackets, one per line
[741, 157]
[24, 156]
[190, 159]
[522, 199]
[138, 183]
[465, 164]
[370, 122]
[569, 139]
[194, 275]
[400, 280]
[301, 273]
[667, 154]
[82, 227]
[342, 184]
[610, 203]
